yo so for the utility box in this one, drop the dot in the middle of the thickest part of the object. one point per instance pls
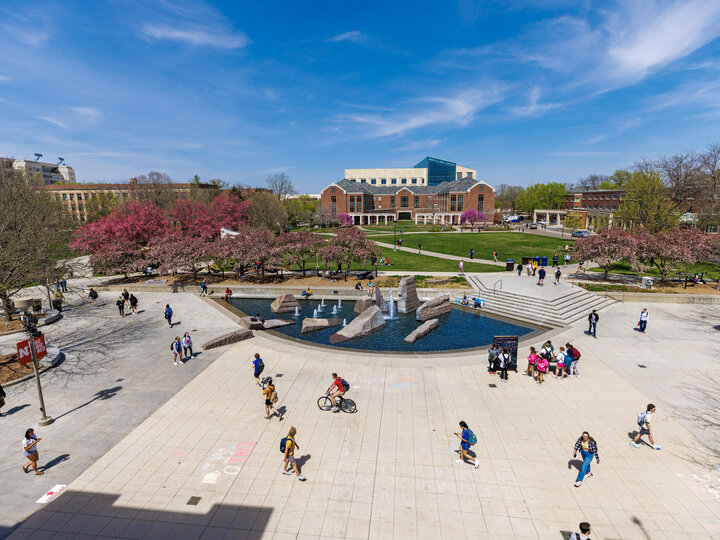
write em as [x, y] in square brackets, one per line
[647, 282]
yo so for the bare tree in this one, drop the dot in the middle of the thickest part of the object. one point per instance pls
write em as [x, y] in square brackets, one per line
[281, 185]
[267, 211]
[590, 182]
[506, 196]
[155, 187]
[681, 174]
[710, 167]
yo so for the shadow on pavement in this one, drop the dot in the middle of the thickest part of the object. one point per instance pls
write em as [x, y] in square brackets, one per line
[101, 395]
[16, 408]
[55, 461]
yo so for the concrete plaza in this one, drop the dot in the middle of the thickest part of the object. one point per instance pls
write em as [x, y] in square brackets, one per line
[390, 470]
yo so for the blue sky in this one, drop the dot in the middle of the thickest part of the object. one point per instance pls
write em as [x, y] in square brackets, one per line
[522, 91]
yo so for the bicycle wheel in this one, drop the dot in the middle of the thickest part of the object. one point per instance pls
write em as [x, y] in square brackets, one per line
[324, 403]
[348, 406]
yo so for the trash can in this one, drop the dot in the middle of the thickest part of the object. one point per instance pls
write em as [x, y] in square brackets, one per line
[538, 260]
[509, 265]
[525, 260]
[544, 261]
[57, 304]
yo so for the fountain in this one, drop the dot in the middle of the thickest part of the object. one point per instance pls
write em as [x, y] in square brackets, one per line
[339, 303]
[334, 312]
[297, 311]
[390, 303]
[344, 322]
[315, 313]
[322, 302]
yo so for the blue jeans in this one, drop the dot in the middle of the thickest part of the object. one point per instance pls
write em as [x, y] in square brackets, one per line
[585, 469]
[592, 329]
[643, 325]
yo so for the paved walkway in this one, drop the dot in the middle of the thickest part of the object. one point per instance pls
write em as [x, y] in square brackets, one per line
[115, 374]
[436, 254]
[207, 463]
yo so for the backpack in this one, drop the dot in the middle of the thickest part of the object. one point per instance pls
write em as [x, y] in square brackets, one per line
[172, 346]
[472, 439]
[260, 365]
[274, 397]
[575, 354]
[641, 418]
[93, 294]
[119, 302]
[345, 384]
[283, 442]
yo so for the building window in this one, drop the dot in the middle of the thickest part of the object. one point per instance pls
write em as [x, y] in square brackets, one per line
[358, 203]
[64, 196]
[404, 202]
[460, 203]
[614, 195]
[481, 202]
[372, 180]
[453, 202]
[362, 180]
[417, 201]
[414, 180]
[392, 202]
[382, 181]
[352, 203]
[332, 189]
[57, 196]
[72, 196]
[393, 181]
[403, 181]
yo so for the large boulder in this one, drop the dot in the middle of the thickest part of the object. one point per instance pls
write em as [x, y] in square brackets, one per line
[251, 323]
[432, 309]
[364, 324]
[422, 330]
[361, 304]
[408, 300]
[313, 325]
[276, 323]
[378, 298]
[229, 338]
[285, 303]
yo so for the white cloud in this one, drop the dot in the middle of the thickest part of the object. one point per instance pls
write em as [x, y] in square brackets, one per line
[617, 126]
[55, 121]
[354, 36]
[35, 38]
[3, 78]
[90, 113]
[197, 36]
[534, 107]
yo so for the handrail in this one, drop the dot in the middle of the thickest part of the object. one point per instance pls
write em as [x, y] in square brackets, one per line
[495, 284]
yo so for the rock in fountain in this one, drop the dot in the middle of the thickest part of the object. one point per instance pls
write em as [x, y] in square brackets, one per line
[378, 298]
[313, 325]
[227, 339]
[364, 324]
[361, 304]
[422, 330]
[440, 305]
[285, 303]
[408, 300]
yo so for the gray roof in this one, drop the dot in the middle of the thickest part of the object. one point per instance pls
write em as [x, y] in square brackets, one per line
[464, 184]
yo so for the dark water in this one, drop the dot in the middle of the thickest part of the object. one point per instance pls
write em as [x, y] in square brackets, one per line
[459, 329]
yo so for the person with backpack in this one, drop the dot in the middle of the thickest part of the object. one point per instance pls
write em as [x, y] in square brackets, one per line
[574, 356]
[187, 345]
[584, 532]
[288, 445]
[271, 398]
[258, 367]
[558, 273]
[493, 353]
[168, 314]
[643, 421]
[587, 447]
[176, 348]
[541, 365]
[93, 295]
[504, 364]
[342, 387]
[120, 303]
[203, 288]
[133, 303]
[467, 439]
[547, 351]
[532, 358]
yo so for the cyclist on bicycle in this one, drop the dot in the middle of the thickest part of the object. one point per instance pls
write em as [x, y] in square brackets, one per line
[338, 393]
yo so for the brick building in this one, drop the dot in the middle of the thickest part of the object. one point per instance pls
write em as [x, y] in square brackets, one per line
[443, 203]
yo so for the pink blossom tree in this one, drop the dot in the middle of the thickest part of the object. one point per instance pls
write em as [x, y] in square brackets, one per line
[175, 251]
[194, 219]
[252, 247]
[347, 246]
[345, 220]
[472, 217]
[608, 247]
[230, 212]
[670, 250]
[119, 258]
[299, 247]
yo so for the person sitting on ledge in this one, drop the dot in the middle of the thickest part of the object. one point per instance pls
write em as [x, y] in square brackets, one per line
[478, 302]
[307, 293]
[465, 300]
[358, 286]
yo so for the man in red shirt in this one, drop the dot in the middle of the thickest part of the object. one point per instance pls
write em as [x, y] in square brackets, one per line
[340, 390]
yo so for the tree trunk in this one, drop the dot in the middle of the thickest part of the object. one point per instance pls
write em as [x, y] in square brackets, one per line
[607, 269]
[6, 306]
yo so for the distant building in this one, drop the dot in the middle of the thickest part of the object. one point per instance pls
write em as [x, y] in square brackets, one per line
[429, 172]
[51, 173]
[596, 206]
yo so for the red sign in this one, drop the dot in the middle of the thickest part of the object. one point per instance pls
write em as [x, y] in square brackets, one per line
[40, 350]
[23, 350]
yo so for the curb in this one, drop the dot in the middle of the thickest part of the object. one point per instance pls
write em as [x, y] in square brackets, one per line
[50, 361]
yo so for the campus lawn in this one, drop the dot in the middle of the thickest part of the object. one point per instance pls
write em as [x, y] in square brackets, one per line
[709, 269]
[509, 245]
[408, 262]
[404, 225]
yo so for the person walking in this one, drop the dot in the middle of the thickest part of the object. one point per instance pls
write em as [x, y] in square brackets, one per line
[532, 358]
[541, 365]
[31, 451]
[534, 267]
[120, 303]
[419, 248]
[493, 353]
[133, 304]
[186, 342]
[472, 253]
[587, 447]
[258, 367]
[288, 445]
[567, 258]
[3, 395]
[643, 421]
[642, 322]
[63, 284]
[176, 348]
[126, 297]
[93, 295]
[271, 398]
[584, 532]
[168, 314]
[461, 268]
[504, 362]
[495, 259]
[558, 273]
[560, 366]
[555, 259]
[467, 439]
[529, 267]
[203, 288]
[519, 269]
[593, 319]
[574, 355]
[541, 277]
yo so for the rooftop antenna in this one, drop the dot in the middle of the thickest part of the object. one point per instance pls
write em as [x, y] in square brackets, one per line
[61, 160]
[37, 156]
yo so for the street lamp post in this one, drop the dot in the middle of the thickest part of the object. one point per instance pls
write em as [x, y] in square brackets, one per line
[31, 331]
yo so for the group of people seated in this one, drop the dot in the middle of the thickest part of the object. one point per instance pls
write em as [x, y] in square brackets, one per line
[384, 261]
[477, 303]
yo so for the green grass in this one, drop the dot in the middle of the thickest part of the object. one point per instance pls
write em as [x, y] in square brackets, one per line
[408, 262]
[509, 245]
[709, 269]
[405, 226]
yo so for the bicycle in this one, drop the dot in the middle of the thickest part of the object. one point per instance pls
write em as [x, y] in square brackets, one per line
[346, 405]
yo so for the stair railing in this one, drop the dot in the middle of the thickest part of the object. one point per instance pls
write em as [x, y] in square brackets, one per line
[495, 285]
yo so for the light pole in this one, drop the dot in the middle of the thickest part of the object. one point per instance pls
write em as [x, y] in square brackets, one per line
[31, 330]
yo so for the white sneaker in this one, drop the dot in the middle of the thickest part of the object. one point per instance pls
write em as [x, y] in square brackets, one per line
[302, 478]
[657, 447]
[175, 363]
[477, 463]
[287, 471]
[634, 444]
[336, 409]
[458, 461]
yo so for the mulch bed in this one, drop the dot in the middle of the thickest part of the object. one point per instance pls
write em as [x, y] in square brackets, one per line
[10, 369]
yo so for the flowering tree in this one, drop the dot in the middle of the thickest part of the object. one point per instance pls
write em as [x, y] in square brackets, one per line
[299, 247]
[194, 219]
[472, 217]
[177, 251]
[345, 219]
[230, 212]
[671, 249]
[347, 246]
[251, 247]
[609, 246]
